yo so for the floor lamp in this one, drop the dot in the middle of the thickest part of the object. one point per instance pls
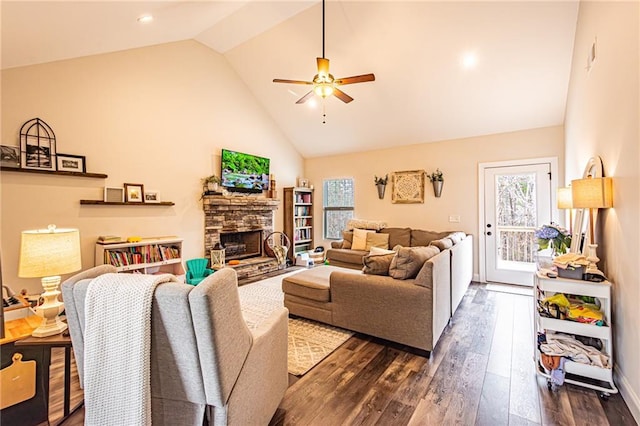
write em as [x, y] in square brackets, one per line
[592, 194]
[565, 201]
[47, 254]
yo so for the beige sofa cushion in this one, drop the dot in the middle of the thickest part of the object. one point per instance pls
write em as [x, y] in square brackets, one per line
[420, 237]
[347, 239]
[377, 240]
[346, 256]
[408, 261]
[312, 284]
[377, 264]
[398, 236]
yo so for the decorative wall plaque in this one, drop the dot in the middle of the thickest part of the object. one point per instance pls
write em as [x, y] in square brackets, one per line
[407, 187]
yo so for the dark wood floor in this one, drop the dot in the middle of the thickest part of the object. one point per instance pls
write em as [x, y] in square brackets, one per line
[481, 373]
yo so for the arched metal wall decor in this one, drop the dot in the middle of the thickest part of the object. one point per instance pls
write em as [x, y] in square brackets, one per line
[594, 169]
[37, 145]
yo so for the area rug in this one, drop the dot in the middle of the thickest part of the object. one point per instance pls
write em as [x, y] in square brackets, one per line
[309, 341]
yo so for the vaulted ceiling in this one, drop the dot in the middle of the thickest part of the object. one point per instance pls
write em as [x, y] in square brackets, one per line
[444, 70]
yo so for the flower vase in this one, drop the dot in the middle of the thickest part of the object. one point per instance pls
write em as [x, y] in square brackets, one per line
[437, 188]
[381, 188]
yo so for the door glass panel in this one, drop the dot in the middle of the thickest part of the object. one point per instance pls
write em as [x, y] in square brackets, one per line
[516, 216]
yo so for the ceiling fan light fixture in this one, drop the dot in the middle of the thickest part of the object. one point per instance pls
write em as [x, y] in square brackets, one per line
[323, 90]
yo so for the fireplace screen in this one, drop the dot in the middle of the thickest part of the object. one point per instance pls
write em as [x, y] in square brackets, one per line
[242, 245]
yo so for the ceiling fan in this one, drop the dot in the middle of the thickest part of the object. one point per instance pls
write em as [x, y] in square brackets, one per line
[324, 84]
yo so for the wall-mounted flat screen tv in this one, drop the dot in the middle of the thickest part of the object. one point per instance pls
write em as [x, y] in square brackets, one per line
[244, 172]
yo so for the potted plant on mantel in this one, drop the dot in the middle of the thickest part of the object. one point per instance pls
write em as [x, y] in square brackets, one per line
[437, 180]
[211, 183]
[381, 183]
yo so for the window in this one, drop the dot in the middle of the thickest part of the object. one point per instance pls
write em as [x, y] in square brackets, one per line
[337, 206]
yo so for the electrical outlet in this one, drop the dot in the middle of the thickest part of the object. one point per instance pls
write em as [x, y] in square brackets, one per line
[454, 218]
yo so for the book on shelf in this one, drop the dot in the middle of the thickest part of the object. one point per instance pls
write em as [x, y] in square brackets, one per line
[110, 239]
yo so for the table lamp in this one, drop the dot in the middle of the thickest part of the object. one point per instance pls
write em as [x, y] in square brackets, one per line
[47, 254]
[565, 201]
[592, 193]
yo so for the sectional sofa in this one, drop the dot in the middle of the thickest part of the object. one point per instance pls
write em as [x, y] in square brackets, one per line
[409, 303]
[458, 245]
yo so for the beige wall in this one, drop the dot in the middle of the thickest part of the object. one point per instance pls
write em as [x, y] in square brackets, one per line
[157, 116]
[458, 160]
[602, 119]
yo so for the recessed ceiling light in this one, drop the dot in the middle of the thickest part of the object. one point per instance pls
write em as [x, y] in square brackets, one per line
[144, 19]
[469, 60]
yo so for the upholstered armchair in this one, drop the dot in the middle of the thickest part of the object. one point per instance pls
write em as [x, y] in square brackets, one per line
[207, 366]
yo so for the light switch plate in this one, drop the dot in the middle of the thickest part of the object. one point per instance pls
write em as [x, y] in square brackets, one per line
[454, 218]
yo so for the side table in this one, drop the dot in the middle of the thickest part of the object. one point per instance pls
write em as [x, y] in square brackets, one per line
[62, 340]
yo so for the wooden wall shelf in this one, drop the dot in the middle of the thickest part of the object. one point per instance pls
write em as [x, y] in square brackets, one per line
[116, 203]
[55, 172]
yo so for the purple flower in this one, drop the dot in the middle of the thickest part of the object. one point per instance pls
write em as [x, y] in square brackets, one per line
[547, 233]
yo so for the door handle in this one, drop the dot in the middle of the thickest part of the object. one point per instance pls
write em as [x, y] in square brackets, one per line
[488, 225]
[489, 233]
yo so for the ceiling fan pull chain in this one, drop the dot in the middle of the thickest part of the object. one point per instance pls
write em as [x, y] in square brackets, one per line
[324, 113]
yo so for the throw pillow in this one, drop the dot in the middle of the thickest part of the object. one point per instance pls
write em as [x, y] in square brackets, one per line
[409, 260]
[377, 240]
[360, 239]
[377, 250]
[377, 264]
[421, 237]
[442, 244]
[456, 237]
[376, 225]
[347, 239]
[398, 236]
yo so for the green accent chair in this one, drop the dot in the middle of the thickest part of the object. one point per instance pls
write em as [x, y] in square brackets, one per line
[197, 270]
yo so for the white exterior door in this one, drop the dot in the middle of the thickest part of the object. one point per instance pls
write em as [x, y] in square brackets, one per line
[517, 200]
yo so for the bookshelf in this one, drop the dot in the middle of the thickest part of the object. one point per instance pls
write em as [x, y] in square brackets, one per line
[148, 256]
[298, 219]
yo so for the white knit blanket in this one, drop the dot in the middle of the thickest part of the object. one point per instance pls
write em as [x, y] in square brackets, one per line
[117, 347]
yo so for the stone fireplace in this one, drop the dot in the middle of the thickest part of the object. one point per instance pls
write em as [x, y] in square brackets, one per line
[240, 224]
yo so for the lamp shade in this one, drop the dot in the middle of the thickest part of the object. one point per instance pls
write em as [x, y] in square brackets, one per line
[592, 193]
[49, 252]
[565, 201]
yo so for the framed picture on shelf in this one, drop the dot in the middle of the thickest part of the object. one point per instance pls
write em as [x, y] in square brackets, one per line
[303, 182]
[151, 196]
[71, 163]
[37, 146]
[407, 187]
[134, 193]
[113, 195]
[10, 156]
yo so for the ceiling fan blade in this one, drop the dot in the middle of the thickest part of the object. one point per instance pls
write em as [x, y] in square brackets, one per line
[356, 79]
[279, 80]
[306, 97]
[323, 66]
[341, 95]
